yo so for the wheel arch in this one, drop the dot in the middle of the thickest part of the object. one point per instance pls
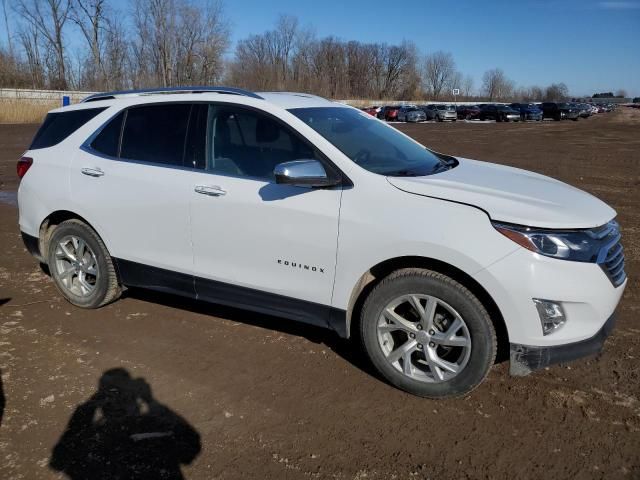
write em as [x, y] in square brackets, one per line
[367, 282]
[54, 219]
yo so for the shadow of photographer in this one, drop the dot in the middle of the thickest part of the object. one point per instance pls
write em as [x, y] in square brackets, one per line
[122, 432]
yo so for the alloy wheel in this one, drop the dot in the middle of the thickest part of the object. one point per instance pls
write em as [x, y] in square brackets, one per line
[76, 266]
[424, 338]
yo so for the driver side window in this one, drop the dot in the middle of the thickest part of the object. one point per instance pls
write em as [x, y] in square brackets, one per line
[246, 143]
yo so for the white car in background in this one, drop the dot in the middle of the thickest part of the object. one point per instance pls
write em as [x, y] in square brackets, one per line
[295, 206]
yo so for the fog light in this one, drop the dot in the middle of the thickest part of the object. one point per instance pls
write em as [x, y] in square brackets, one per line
[551, 315]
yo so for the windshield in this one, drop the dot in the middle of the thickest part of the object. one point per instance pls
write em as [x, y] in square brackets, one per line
[371, 144]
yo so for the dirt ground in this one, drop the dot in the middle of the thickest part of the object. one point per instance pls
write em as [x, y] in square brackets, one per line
[229, 394]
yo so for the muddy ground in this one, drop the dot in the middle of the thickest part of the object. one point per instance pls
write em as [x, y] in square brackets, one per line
[229, 394]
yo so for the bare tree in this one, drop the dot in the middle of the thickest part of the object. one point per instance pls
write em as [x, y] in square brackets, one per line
[438, 70]
[115, 55]
[13, 72]
[329, 67]
[48, 17]
[556, 92]
[395, 69]
[178, 41]
[536, 93]
[622, 93]
[6, 27]
[89, 16]
[496, 85]
[30, 41]
[467, 86]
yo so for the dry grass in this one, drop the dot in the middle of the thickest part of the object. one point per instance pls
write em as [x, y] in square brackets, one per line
[24, 111]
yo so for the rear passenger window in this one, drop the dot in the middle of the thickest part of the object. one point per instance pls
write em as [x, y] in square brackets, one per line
[107, 141]
[250, 144]
[156, 133]
[58, 126]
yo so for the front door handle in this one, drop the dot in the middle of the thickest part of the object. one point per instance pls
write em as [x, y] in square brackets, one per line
[212, 191]
[92, 172]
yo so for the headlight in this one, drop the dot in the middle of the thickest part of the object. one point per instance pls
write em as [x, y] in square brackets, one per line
[575, 245]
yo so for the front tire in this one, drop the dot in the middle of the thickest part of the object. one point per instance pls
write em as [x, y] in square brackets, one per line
[81, 266]
[427, 334]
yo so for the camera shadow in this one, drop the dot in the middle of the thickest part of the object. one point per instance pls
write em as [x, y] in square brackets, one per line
[123, 432]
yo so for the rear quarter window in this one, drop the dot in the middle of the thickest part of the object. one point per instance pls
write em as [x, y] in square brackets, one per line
[107, 141]
[58, 126]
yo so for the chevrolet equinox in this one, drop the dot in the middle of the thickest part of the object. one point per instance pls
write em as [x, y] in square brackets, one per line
[299, 207]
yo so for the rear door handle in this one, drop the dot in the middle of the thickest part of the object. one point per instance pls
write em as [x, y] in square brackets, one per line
[92, 172]
[212, 191]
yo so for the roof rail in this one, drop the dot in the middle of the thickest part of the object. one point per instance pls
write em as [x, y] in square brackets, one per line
[169, 90]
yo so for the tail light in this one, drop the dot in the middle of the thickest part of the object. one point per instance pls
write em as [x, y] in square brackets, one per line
[23, 166]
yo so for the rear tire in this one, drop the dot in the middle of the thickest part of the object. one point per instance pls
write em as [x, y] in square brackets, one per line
[422, 351]
[81, 266]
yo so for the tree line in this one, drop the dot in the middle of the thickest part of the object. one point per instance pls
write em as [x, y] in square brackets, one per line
[162, 43]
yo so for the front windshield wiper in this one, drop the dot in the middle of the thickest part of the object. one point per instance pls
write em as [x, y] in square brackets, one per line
[402, 173]
[439, 167]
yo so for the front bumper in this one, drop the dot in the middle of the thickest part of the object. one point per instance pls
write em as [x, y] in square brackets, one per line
[587, 295]
[525, 359]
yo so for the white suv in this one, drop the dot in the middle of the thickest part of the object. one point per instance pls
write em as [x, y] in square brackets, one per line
[295, 206]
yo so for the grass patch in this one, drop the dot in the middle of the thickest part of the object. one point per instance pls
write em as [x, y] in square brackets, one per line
[24, 111]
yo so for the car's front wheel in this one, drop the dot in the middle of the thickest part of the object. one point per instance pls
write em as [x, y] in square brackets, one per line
[427, 334]
[81, 266]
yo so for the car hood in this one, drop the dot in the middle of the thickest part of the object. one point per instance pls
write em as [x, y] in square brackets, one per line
[511, 195]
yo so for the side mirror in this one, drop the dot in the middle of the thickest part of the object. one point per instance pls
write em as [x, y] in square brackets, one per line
[303, 173]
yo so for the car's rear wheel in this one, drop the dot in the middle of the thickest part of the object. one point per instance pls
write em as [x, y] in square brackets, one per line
[81, 266]
[427, 334]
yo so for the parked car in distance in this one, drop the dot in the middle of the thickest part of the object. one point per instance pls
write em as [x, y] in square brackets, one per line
[468, 112]
[411, 113]
[583, 109]
[373, 111]
[499, 113]
[303, 209]
[528, 111]
[389, 113]
[560, 111]
[441, 112]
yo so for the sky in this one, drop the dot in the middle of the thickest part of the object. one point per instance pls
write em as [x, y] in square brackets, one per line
[591, 45]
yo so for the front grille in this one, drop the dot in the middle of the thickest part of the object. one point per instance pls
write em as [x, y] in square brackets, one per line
[613, 262]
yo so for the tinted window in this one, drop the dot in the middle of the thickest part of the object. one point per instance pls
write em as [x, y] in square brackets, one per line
[369, 143]
[250, 144]
[108, 139]
[156, 133]
[58, 126]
